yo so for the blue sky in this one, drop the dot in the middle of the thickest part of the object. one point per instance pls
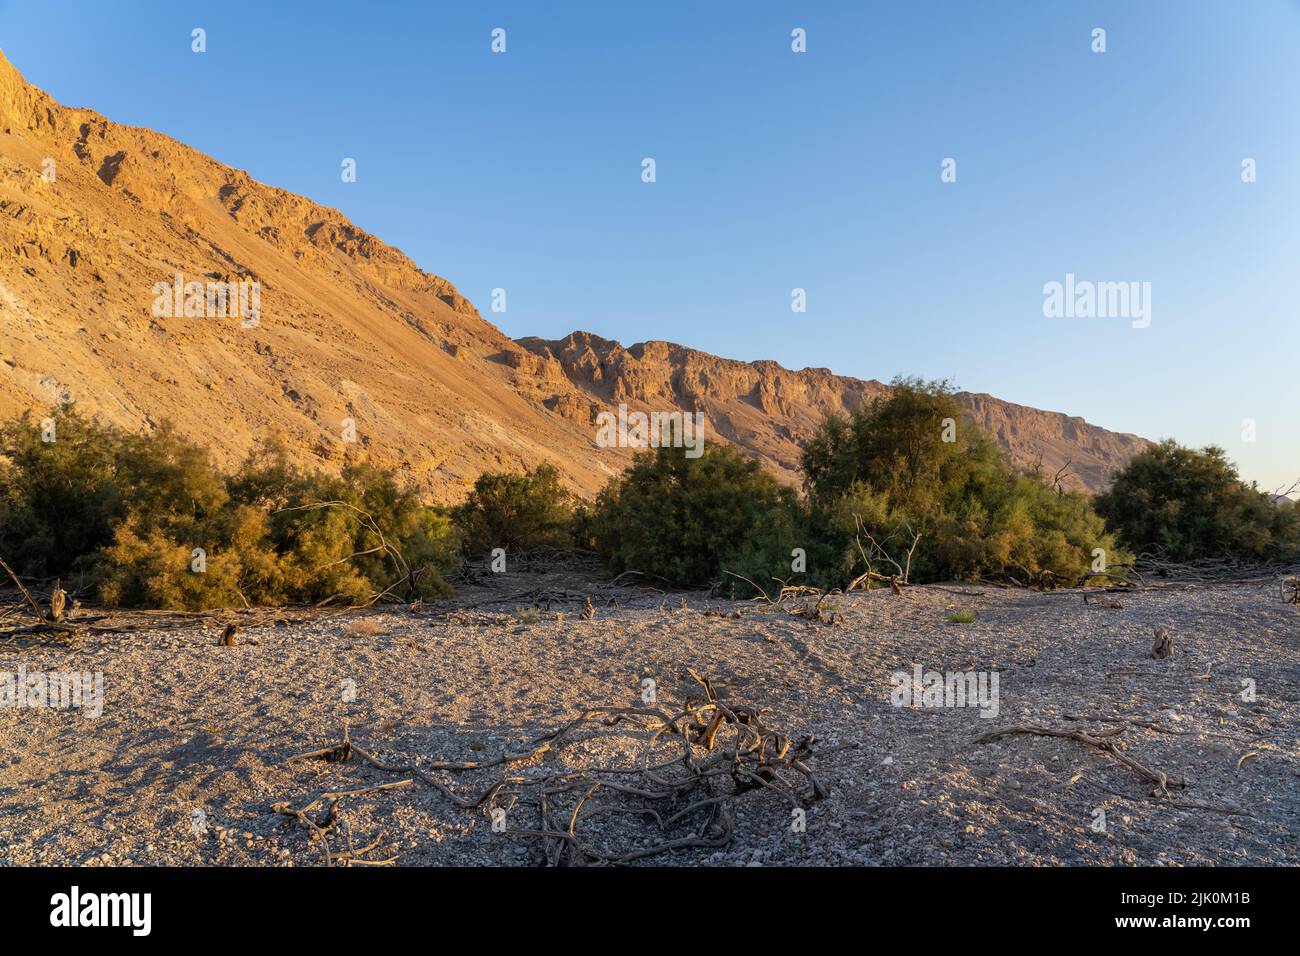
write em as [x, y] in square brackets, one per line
[778, 170]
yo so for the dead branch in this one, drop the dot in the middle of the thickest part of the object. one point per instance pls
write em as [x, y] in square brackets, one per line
[1170, 804]
[1116, 580]
[695, 762]
[762, 593]
[961, 591]
[1221, 570]
[1060, 475]
[818, 611]
[1102, 740]
[878, 555]
[26, 594]
[794, 593]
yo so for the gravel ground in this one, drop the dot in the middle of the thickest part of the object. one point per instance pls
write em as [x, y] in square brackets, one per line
[188, 756]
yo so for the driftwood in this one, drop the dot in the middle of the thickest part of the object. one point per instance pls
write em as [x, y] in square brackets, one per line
[796, 595]
[1221, 570]
[877, 555]
[695, 763]
[54, 623]
[540, 598]
[1127, 580]
[893, 580]
[1103, 740]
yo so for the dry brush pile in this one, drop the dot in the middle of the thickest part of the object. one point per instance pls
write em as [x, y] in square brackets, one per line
[694, 764]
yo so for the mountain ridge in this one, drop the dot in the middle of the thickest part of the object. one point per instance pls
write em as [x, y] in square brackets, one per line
[96, 216]
[662, 374]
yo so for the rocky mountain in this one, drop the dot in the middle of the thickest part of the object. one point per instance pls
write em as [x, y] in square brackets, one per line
[768, 410]
[148, 282]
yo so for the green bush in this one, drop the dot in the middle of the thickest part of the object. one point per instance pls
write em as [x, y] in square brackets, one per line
[155, 567]
[59, 500]
[1189, 504]
[908, 464]
[518, 512]
[897, 445]
[686, 521]
[904, 479]
[338, 536]
[156, 524]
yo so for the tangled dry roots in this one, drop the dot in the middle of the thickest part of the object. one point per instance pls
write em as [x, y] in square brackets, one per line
[693, 765]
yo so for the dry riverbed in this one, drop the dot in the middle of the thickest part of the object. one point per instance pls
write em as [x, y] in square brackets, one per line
[188, 758]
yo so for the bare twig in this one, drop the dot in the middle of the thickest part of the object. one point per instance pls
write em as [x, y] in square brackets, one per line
[27, 594]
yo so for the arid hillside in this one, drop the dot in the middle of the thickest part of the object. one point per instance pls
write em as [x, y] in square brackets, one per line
[352, 345]
[768, 410]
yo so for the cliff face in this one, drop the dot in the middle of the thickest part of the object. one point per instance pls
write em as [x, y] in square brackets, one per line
[350, 338]
[759, 406]
[768, 410]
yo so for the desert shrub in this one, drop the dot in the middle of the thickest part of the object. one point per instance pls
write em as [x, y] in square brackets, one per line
[155, 567]
[1190, 504]
[518, 512]
[687, 520]
[59, 500]
[838, 529]
[190, 555]
[886, 473]
[133, 509]
[182, 543]
[333, 532]
[896, 445]
[1016, 526]
[902, 466]
[168, 482]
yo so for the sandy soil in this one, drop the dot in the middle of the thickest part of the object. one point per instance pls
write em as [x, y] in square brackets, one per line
[188, 756]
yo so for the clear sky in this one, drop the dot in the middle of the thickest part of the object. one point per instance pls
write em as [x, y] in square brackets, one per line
[779, 170]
